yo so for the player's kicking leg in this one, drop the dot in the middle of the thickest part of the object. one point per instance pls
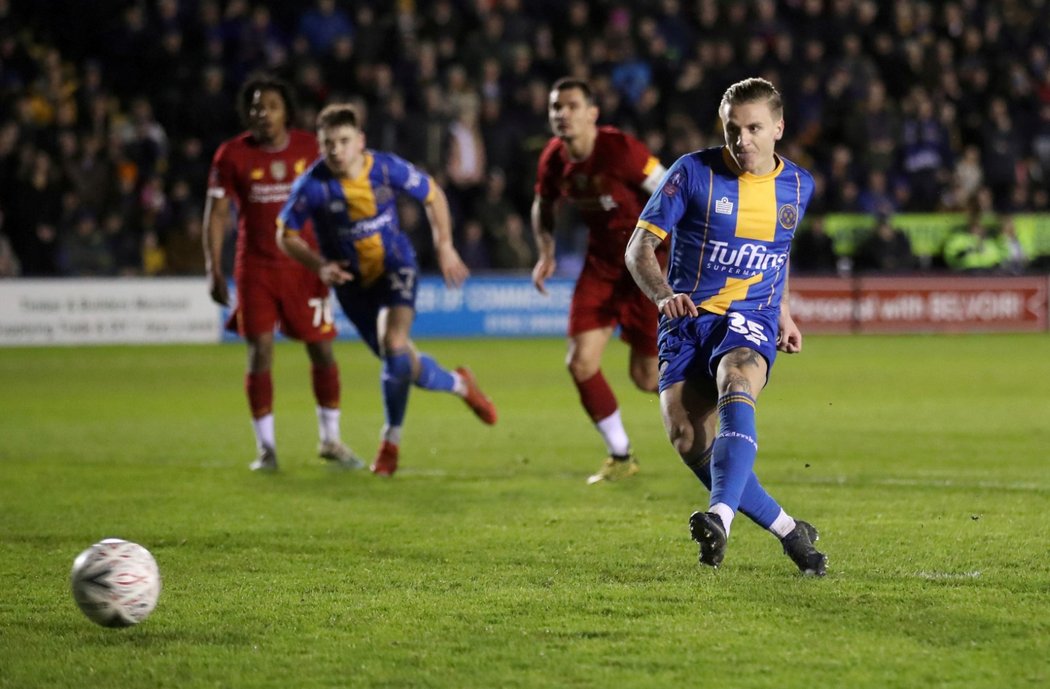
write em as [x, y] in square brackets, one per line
[797, 537]
[691, 423]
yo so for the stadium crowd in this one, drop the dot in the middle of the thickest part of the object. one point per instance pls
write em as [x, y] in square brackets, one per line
[110, 111]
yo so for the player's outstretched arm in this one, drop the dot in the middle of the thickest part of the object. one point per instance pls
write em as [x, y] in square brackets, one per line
[542, 216]
[452, 267]
[645, 269]
[216, 220]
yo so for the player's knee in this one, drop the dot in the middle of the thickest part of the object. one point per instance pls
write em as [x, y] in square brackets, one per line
[742, 370]
[735, 383]
[321, 354]
[260, 359]
[581, 369]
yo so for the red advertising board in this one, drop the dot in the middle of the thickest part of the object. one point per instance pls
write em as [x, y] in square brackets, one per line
[921, 304]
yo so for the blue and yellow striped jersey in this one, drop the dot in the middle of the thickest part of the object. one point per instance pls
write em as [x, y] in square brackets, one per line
[356, 220]
[730, 234]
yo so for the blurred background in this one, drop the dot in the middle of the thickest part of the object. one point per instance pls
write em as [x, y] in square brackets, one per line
[926, 124]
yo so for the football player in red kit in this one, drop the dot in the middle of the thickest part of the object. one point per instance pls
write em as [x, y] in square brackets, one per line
[253, 174]
[608, 175]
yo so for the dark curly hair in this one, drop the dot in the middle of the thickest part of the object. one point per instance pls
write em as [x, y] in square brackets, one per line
[266, 82]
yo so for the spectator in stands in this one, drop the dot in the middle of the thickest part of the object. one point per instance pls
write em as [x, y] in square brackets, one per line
[813, 251]
[493, 207]
[9, 266]
[323, 24]
[1001, 153]
[971, 250]
[876, 198]
[473, 248]
[84, 248]
[512, 248]
[466, 157]
[32, 220]
[873, 130]
[967, 178]
[154, 260]
[926, 152]
[1014, 259]
[885, 250]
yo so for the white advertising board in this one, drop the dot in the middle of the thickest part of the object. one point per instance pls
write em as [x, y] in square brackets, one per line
[106, 311]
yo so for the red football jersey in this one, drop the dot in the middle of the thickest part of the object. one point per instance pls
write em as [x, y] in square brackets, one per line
[258, 181]
[606, 189]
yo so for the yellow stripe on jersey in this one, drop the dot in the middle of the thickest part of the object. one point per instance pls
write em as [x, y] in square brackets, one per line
[734, 289]
[756, 215]
[649, 227]
[650, 165]
[707, 225]
[431, 190]
[360, 197]
[370, 255]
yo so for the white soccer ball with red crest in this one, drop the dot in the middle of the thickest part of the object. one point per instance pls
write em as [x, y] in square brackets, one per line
[116, 583]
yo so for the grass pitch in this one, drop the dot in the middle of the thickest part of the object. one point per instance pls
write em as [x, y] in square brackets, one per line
[486, 561]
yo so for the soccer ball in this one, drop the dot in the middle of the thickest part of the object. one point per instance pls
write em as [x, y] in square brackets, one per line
[116, 583]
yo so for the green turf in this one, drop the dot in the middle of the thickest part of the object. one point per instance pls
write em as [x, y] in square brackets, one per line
[486, 561]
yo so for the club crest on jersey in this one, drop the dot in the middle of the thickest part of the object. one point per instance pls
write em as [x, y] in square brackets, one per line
[788, 216]
[278, 170]
[299, 166]
[724, 206]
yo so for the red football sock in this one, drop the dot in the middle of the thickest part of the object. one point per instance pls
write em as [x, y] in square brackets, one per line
[326, 385]
[597, 397]
[259, 387]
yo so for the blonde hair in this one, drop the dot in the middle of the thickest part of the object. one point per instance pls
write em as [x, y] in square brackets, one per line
[753, 90]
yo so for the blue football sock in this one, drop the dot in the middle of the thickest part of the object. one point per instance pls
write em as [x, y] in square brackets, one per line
[396, 378]
[756, 504]
[735, 448]
[432, 376]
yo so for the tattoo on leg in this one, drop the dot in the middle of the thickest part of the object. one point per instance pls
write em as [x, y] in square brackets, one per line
[738, 383]
[740, 361]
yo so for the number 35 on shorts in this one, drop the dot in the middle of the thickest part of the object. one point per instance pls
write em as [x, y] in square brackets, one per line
[752, 331]
[322, 308]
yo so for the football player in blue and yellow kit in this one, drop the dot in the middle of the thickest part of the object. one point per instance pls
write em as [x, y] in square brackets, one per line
[731, 212]
[350, 195]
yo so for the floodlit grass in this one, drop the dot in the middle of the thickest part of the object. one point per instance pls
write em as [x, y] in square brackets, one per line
[486, 561]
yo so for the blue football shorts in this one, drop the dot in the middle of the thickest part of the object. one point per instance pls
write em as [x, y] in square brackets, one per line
[692, 347]
[396, 286]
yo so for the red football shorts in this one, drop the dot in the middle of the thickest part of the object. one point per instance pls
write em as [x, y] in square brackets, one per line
[295, 300]
[598, 302]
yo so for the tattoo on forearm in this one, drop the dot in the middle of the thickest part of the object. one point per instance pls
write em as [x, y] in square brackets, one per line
[646, 269]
